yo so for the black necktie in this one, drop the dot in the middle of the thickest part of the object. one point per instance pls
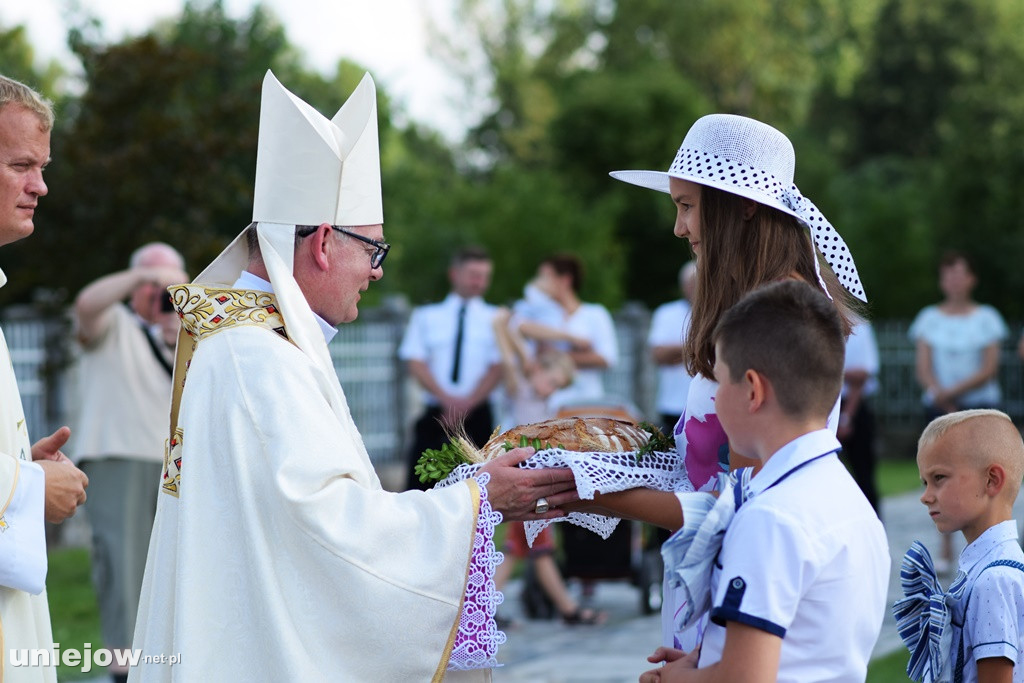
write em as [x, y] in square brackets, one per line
[458, 343]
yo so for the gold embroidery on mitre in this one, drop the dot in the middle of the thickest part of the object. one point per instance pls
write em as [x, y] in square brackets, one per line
[170, 482]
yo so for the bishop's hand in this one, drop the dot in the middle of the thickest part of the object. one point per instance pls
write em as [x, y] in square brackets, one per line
[515, 492]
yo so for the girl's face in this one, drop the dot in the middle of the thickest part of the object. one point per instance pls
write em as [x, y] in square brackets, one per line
[686, 196]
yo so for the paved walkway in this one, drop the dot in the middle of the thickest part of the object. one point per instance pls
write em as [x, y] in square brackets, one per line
[550, 652]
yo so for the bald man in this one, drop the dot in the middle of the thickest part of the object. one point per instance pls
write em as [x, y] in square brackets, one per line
[127, 330]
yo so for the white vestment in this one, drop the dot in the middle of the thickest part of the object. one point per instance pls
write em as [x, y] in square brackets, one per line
[276, 555]
[24, 618]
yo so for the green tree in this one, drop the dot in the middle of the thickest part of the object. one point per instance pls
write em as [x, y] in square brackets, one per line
[18, 61]
[930, 136]
[160, 146]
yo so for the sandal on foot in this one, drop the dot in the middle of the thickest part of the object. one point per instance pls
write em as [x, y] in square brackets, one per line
[584, 616]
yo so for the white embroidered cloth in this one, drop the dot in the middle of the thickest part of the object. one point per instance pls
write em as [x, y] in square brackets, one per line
[597, 473]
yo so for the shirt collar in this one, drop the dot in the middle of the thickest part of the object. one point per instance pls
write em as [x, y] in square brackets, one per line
[455, 300]
[247, 280]
[3, 278]
[993, 536]
[797, 452]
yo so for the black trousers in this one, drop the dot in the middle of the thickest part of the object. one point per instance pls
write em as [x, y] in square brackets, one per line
[859, 452]
[428, 433]
[668, 423]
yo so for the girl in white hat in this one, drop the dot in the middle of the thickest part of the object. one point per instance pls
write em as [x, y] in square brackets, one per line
[748, 225]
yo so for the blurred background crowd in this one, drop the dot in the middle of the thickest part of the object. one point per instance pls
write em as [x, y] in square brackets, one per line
[907, 117]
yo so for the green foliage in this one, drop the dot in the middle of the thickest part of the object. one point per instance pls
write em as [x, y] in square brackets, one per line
[436, 464]
[881, 209]
[612, 120]
[759, 59]
[931, 145]
[897, 476]
[161, 146]
[657, 443]
[74, 614]
[891, 668]
[519, 215]
[17, 61]
[906, 118]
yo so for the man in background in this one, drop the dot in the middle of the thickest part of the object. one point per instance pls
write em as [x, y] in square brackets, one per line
[669, 326]
[127, 328]
[856, 420]
[450, 349]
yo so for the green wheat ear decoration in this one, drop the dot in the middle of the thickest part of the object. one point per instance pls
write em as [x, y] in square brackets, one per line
[435, 465]
[657, 442]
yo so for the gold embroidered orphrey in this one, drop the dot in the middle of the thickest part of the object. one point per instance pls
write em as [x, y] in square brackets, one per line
[205, 311]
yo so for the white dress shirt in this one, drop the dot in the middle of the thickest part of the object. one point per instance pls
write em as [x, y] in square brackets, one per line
[430, 338]
[594, 323]
[669, 325]
[994, 622]
[806, 559]
[862, 354]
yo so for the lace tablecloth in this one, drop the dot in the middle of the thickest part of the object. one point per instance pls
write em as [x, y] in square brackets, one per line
[598, 473]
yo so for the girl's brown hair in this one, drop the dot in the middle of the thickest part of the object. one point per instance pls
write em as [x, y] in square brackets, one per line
[737, 256]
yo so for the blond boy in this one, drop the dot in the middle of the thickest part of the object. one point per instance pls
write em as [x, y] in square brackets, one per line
[971, 463]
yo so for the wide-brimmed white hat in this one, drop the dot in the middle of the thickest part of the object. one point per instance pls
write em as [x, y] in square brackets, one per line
[753, 160]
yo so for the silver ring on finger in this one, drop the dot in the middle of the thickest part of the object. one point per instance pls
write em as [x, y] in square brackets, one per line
[542, 506]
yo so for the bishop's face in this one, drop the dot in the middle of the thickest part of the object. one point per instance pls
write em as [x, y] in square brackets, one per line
[352, 272]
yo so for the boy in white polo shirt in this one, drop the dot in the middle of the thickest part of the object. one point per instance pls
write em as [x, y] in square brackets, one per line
[971, 463]
[799, 587]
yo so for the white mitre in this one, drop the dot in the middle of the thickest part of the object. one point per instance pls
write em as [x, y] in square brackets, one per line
[309, 170]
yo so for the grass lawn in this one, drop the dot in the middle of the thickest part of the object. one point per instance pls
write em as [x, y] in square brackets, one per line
[889, 669]
[73, 611]
[896, 476]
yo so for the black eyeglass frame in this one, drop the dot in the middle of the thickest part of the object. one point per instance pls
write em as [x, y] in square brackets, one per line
[380, 248]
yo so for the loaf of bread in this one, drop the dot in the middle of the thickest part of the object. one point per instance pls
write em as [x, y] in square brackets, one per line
[587, 434]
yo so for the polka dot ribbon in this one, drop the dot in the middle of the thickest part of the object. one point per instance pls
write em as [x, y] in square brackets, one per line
[827, 239]
[764, 187]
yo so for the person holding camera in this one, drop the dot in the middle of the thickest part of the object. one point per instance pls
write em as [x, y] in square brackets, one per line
[127, 329]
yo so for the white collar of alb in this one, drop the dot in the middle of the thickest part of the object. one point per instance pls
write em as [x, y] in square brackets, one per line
[249, 281]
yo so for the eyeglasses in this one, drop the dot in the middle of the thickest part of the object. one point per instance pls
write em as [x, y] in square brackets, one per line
[380, 249]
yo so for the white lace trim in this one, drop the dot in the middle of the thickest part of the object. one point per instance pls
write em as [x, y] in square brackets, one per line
[478, 637]
[598, 473]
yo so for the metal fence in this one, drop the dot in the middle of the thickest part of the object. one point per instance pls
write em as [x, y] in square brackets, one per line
[384, 400]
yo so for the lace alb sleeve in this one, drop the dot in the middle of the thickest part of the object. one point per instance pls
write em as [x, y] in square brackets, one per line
[478, 637]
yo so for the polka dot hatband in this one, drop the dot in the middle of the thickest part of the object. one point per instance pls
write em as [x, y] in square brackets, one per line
[751, 159]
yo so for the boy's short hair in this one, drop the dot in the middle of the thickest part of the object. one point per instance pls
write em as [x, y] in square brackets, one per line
[790, 333]
[994, 439]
